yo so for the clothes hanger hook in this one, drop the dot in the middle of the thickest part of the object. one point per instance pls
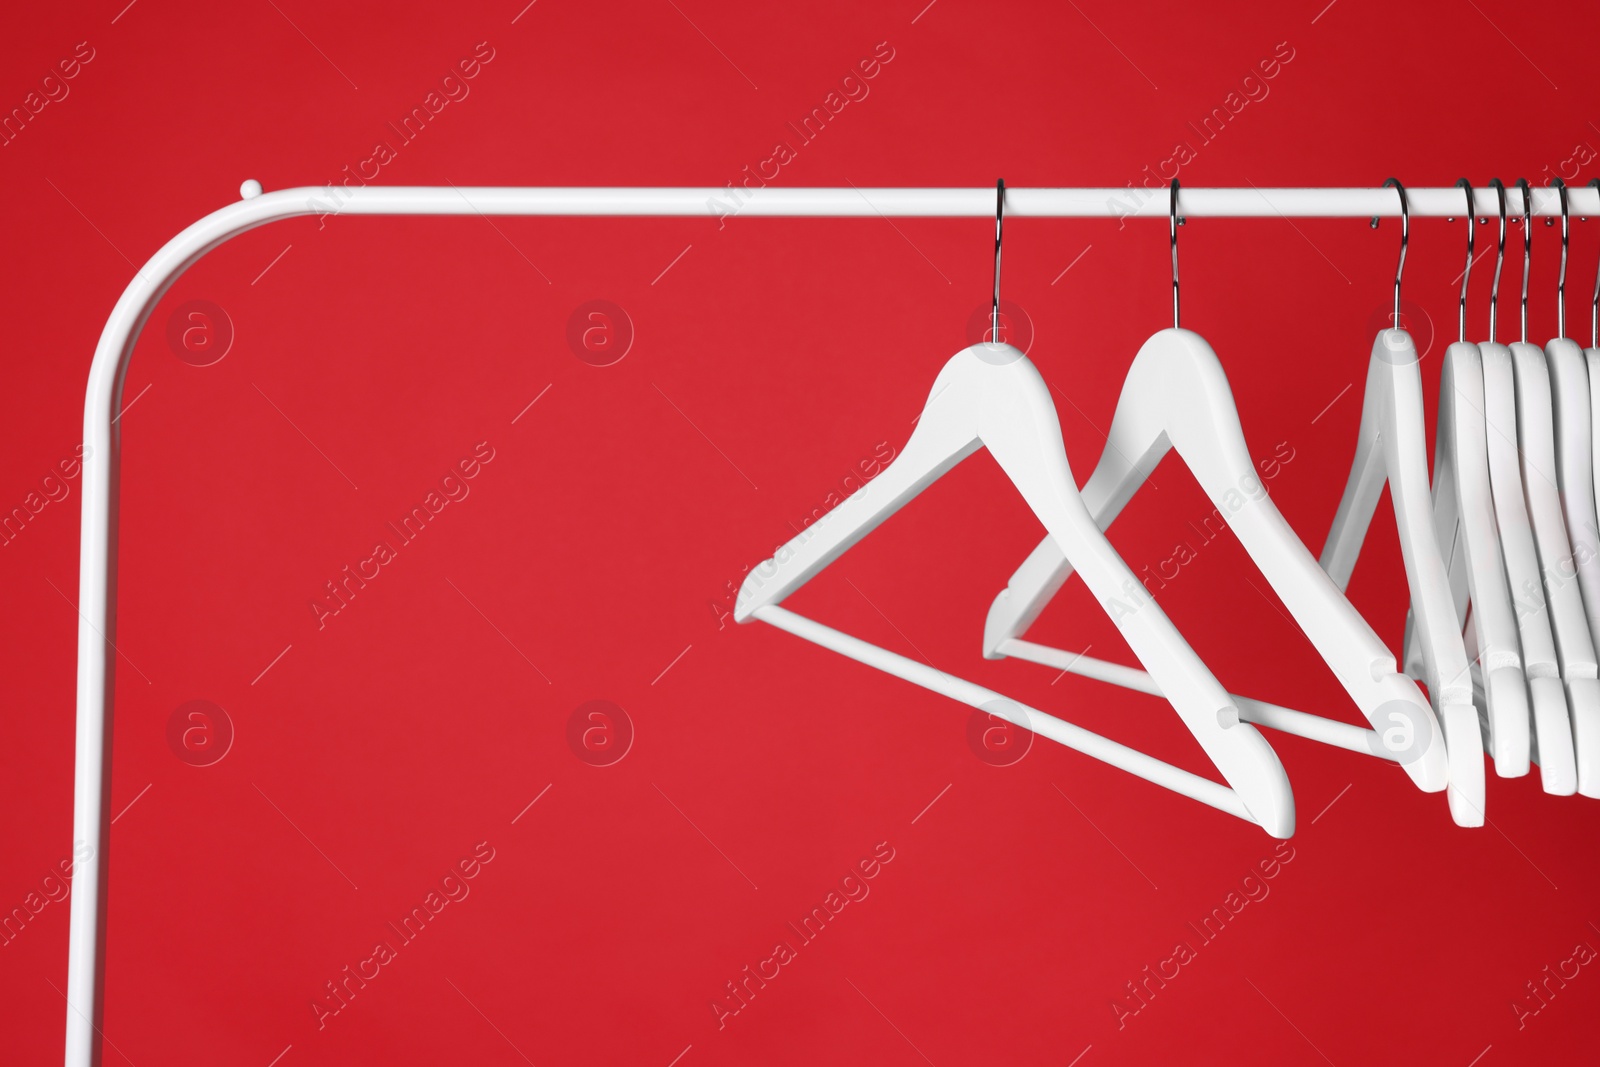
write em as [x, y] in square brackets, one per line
[1466, 275]
[1561, 279]
[1499, 256]
[1594, 303]
[999, 224]
[1405, 237]
[1527, 248]
[1173, 221]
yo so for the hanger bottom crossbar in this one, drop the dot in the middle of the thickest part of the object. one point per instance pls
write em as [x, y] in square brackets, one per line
[1042, 723]
[1258, 712]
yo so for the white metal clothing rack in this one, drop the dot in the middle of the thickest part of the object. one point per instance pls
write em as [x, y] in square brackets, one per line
[103, 399]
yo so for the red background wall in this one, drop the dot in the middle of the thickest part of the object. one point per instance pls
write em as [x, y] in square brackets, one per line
[411, 731]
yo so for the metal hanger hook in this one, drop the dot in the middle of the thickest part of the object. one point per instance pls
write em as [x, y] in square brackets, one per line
[1499, 257]
[1174, 220]
[999, 230]
[1466, 275]
[1527, 248]
[1561, 279]
[1405, 238]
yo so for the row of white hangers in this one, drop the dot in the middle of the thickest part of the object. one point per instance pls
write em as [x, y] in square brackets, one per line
[1499, 549]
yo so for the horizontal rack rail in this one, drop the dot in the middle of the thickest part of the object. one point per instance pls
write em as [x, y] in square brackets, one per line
[852, 202]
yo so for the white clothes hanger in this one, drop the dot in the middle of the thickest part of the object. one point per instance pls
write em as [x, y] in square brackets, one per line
[1176, 397]
[1536, 436]
[1574, 438]
[1464, 517]
[990, 396]
[1587, 531]
[1465, 507]
[1591, 357]
[1391, 448]
[1574, 460]
[1552, 723]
